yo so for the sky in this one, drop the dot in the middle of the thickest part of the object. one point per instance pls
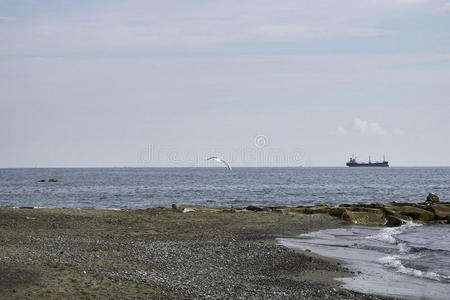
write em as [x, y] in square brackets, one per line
[260, 83]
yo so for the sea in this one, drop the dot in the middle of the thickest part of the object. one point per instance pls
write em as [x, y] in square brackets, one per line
[411, 261]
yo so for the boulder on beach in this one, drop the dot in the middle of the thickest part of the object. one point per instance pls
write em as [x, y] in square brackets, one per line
[432, 199]
[442, 211]
[393, 221]
[336, 211]
[318, 209]
[409, 211]
[297, 210]
[283, 211]
[258, 208]
[364, 217]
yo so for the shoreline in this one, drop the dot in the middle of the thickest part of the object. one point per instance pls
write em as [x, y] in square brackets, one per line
[162, 253]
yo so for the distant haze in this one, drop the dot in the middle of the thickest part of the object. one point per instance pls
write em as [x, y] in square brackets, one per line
[260, 83]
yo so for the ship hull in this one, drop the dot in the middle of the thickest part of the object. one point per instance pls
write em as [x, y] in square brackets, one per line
[380, 164]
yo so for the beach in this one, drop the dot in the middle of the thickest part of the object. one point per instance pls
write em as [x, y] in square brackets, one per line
[163, 253]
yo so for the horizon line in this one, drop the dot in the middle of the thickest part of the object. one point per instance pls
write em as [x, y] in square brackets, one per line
[218, 167]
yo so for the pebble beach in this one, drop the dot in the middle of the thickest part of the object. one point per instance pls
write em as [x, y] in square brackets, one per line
[163, 253]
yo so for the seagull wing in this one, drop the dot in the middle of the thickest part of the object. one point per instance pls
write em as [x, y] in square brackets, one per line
[226, 163]
[219, 159]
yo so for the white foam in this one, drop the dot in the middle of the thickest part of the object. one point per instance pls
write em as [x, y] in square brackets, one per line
[394, 261]
[387, 235]
[403, 248]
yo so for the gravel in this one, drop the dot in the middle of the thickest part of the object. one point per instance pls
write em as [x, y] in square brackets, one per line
[159, 254]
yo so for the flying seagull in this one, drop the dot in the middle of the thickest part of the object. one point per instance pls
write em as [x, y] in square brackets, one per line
[219, 159]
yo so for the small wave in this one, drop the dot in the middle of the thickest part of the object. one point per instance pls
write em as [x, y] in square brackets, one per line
[387, 235]
[394, 261]
[404, 247]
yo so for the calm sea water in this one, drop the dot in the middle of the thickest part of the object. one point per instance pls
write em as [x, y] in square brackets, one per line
[148, 187]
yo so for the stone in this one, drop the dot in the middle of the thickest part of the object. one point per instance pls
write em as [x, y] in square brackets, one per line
[258, 208]
[410, 211]
[336, 211]
[442, 211]
[364, 217]
[317, 210]
[393, 221]
[53, 180]
[283, 211]
[376, 211]
[440, 221]
[432, 198]
[42, 180]
[297, 210]
[175, 206]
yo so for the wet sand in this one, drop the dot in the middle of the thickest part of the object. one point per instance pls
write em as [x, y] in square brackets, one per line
[161, 253]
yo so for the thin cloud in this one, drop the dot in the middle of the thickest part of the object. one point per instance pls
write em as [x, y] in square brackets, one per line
[342, 130]
[366, 127]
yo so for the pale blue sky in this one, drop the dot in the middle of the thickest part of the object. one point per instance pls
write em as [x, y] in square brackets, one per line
[169, 83]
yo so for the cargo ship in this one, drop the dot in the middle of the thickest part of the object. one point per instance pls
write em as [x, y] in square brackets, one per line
[354, 163]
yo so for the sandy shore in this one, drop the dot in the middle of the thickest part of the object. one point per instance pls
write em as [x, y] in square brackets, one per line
[160, 253]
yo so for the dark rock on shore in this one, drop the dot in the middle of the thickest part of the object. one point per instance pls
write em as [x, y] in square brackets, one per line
[441, 211]
[364, 216]
[390, 214]
[432, 199]
[393, 221]
[258, 208]
[319, 209]
[415, 213]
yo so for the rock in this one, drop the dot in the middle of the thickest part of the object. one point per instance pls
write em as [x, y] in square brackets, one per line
[364, 217]
[410, 211]
[297, 210]
[442, 211]
[376, 211]
[258, 208]
[53, 180]
[308, 250]
[42, 180]
[393, 221]
[283, 211]
[175, 206]
[336, 211]
[440, 221]
[277, 207]
[322, 209]
[432, 199]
